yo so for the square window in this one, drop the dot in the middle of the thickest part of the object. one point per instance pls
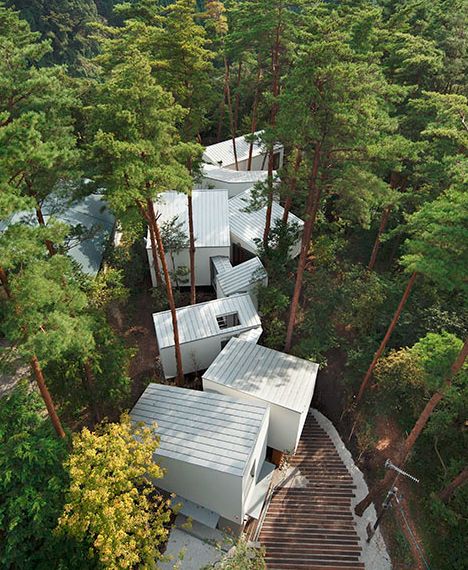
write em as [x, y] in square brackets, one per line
[228, 321]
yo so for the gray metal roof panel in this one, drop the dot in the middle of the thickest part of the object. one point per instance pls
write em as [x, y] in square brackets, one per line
[249, 226]
[223, 152]
[241, 277]
[222, 263]
[203, 428]
[233, 176]
[210, 215]
[199, 321]
[270, 375]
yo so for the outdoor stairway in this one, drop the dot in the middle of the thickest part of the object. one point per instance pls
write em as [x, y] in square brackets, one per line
[309, 523]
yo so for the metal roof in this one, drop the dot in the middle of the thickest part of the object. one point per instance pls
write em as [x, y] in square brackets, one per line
[221, 262]
[232, 176]
[249, 226]
[270, 375]
[240, 278]
[204, 428]
[222, 153]
[91, 212]
[199, 321]
[210, 215]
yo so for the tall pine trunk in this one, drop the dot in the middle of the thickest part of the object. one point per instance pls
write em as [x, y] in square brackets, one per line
[387, 336]
[237, 98]
[410, 441]
[4, 282]
[313, 202]
[46, 396]
[274, 110]
[383, 224]
[227, 88]
[40, 219]
[269, 209]
[170, 296]
[154, 255]
[446, 494]
[292, 185]
[253, 124]
[91, 384]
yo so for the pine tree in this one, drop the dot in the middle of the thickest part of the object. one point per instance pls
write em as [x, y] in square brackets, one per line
[133, 140]
[336, 118]
[36, 124]
[437, 250]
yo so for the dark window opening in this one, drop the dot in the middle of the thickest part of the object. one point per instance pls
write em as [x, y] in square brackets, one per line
[228, 321]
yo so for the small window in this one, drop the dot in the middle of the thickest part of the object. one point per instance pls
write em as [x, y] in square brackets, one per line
[228, 321]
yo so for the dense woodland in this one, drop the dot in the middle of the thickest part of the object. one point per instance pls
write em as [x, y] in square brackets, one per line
[369, 99]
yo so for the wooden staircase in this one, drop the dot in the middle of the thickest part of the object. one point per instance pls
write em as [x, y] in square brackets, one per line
[309, 523]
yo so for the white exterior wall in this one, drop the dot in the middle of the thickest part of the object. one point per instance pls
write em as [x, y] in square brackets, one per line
[196, 355]
[212, 489]
[258, 457]
[202, 263]
[285, 425]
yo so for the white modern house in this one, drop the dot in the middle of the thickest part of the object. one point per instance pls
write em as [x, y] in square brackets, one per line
[243, 278]
[204, 330]
[91, 214]
[213, 449]
[221, 154]
[234, 181]
[210, 226]
[261, 375]
[247, 227]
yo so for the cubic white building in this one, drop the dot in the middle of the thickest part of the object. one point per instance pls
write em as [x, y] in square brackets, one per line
[247, 227]
[222, 154]
[204, 330]
[243, 278]
[261, 375]
[235, 182]
[213, 450]
[210, 227]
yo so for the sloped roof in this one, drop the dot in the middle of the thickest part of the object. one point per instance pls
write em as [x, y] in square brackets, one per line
[270, 375]
[203, 428]
[91, 212]
[210, 215]
[248, 226]
[199, 321]
[233, 176]
[222, 153]
[239, 278]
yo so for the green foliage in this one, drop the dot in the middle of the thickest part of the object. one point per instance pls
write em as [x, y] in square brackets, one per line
[36, 124]
[111, 502]
[241, 557]
[32, 483]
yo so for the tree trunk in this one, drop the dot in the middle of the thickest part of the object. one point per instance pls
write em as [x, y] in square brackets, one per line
[193, 290]
[253, 125]
[221, 117]
[170, 295]
[410, 441]
[446, 494]
[387, 336]
[46, 396]
[4, 282]
[49, 244]
[237, 99]
[91, 382]
[383, 224]
[266, 230]
[313, 202]
[292, 186]
[154, 255]
[227, 87]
